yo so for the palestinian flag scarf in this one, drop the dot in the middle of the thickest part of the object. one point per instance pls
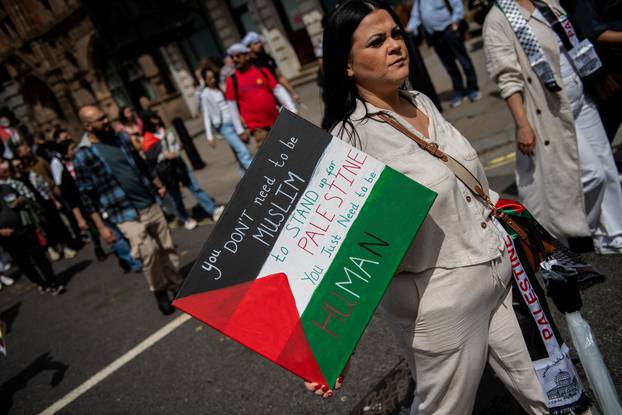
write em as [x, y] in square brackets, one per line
[550, 355]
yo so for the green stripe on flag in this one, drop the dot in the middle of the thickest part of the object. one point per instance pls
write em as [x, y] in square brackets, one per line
[358, 276]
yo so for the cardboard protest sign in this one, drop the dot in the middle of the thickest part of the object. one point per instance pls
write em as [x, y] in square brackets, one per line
[305, 249]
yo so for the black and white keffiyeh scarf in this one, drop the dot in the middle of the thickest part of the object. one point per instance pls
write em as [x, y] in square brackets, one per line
[581, 53]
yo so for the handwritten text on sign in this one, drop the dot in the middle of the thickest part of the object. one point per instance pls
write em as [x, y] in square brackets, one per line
[320, 221]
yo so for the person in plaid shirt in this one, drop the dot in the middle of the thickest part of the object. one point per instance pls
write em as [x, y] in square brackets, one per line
[115, 184]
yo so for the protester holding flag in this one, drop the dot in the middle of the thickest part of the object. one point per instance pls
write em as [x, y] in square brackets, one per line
[450, 302]
[566, 174]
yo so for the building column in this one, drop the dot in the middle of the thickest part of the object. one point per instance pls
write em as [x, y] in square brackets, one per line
[312, 15]
[11, 96]
[182, 76]
[60, 88]
[275, 39]
[223, 23]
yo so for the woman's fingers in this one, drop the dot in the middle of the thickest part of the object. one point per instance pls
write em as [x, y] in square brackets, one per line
[316, 388]
[319, 389]
[526, 149]
[325, 391]
[339, 382]
[310, 386]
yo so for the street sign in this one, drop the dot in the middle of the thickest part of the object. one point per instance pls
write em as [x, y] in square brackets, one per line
[305, 250]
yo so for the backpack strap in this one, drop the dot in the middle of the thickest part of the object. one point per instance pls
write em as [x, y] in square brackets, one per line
[234, 79]
[262, 69]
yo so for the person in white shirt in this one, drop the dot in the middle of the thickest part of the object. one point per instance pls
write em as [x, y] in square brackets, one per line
[223, 116]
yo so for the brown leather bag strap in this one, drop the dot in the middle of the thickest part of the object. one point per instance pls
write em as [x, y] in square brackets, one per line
[461, 172]
[431, 148]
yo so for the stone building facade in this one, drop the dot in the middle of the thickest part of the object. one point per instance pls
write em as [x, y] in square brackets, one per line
[58, 55]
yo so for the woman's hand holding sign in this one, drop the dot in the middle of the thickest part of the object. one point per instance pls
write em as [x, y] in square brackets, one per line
[323, 390]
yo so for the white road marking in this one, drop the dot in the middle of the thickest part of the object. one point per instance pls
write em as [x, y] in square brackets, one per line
[117, 364]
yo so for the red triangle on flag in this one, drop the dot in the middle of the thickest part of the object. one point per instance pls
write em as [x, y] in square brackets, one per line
[298, 357]
[261, 315]
[214, 307]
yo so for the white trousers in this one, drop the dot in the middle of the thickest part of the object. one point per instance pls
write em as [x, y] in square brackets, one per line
[450, 322]
[599, 174]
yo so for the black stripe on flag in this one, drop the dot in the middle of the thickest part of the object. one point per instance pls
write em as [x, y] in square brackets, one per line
[239, 244]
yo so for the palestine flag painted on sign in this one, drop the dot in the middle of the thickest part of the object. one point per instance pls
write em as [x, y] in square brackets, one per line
[305, 249]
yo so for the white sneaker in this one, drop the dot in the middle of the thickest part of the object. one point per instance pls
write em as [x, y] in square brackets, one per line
[608, 246]
[190, 224]
[8, 281]
[218, 213]
[54, 256]
[69, 253]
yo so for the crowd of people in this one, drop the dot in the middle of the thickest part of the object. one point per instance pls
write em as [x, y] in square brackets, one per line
[451, 302]
[60, 193]
[121, 183]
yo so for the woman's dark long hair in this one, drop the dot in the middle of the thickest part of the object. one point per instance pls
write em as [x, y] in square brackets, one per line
[122, 118]
[150, 126]
[340, 90]
[216, 73]
[63, 147]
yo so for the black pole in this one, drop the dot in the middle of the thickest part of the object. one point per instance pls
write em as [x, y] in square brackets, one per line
[186, 140]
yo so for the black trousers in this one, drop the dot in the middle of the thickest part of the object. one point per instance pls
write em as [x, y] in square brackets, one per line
[450, 48]
[29, 256]
[611, 115]
[419, 76]
[55, 230]
[77, 232]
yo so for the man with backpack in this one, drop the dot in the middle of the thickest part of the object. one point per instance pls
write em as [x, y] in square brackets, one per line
[255, 92]
[444, 26]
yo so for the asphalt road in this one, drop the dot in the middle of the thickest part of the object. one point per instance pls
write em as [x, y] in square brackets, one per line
[55, 344]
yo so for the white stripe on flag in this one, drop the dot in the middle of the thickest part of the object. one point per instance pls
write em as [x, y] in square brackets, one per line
[306, 267]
